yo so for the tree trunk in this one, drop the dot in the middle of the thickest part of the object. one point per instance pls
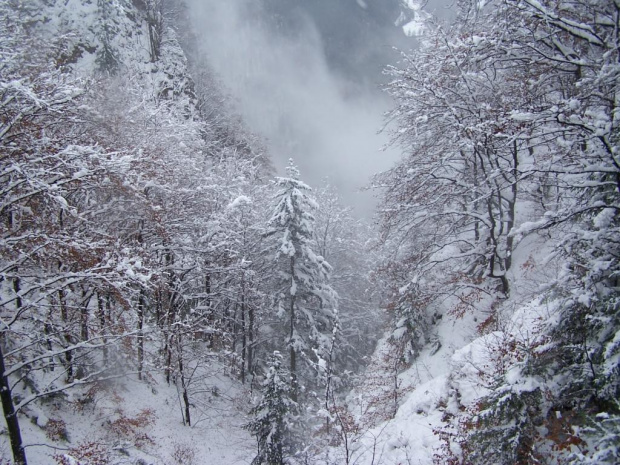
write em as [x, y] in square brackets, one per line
[234, 330]
[183, 383]
[10, 415]
[17, 289]
[512, 206]
[102, 323]
[250, 340]
[141, 306]
[154, 25]
[84, 315]
[47, 330]
[64, 315]
[243, 335]
[476, 201]
[168, 355]
[170, 314]
[210, 315]
[293, 354]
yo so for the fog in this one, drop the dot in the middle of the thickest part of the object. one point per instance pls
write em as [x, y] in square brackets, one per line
[306, 76]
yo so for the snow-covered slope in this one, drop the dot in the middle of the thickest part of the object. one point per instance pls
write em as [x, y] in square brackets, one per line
[453, 372]
[101, 412]
[137, 422]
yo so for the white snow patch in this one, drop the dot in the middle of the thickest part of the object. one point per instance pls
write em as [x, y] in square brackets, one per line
[240, 201]
[414, 28]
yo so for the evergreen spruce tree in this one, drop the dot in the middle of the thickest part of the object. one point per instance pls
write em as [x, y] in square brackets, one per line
[272, 423]
[107, 28]
[302, 284]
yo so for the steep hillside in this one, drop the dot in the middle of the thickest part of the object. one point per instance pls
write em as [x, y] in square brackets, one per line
[151, 274]
[115, 189]
[163, 301]
[406, 411]
[500, 224]
[130, 421]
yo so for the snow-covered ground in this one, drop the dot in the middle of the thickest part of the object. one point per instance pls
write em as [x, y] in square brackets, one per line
[127, 421]
[452, 373]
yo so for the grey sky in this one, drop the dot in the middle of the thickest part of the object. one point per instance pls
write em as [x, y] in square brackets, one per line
[305, 75]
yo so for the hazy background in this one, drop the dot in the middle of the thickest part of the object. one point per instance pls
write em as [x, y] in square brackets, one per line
[306, 75]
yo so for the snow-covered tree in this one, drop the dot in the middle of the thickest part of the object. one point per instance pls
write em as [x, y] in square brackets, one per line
[273, 424]
[111, 228]
[509, 126]
[107, 59]
[347, 243]
[302, 293]
[58, 257]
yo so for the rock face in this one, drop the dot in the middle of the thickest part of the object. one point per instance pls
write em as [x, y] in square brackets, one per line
[134, 38]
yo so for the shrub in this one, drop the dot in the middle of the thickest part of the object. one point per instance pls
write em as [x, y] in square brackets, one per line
[56, 430]
[183, 454]
[87, 453]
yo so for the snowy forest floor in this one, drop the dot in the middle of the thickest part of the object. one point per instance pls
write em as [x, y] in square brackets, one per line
[451, 372]
[127, 421]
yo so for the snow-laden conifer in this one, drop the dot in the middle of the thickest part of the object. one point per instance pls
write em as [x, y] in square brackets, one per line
[273, 422]
[302, 290]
